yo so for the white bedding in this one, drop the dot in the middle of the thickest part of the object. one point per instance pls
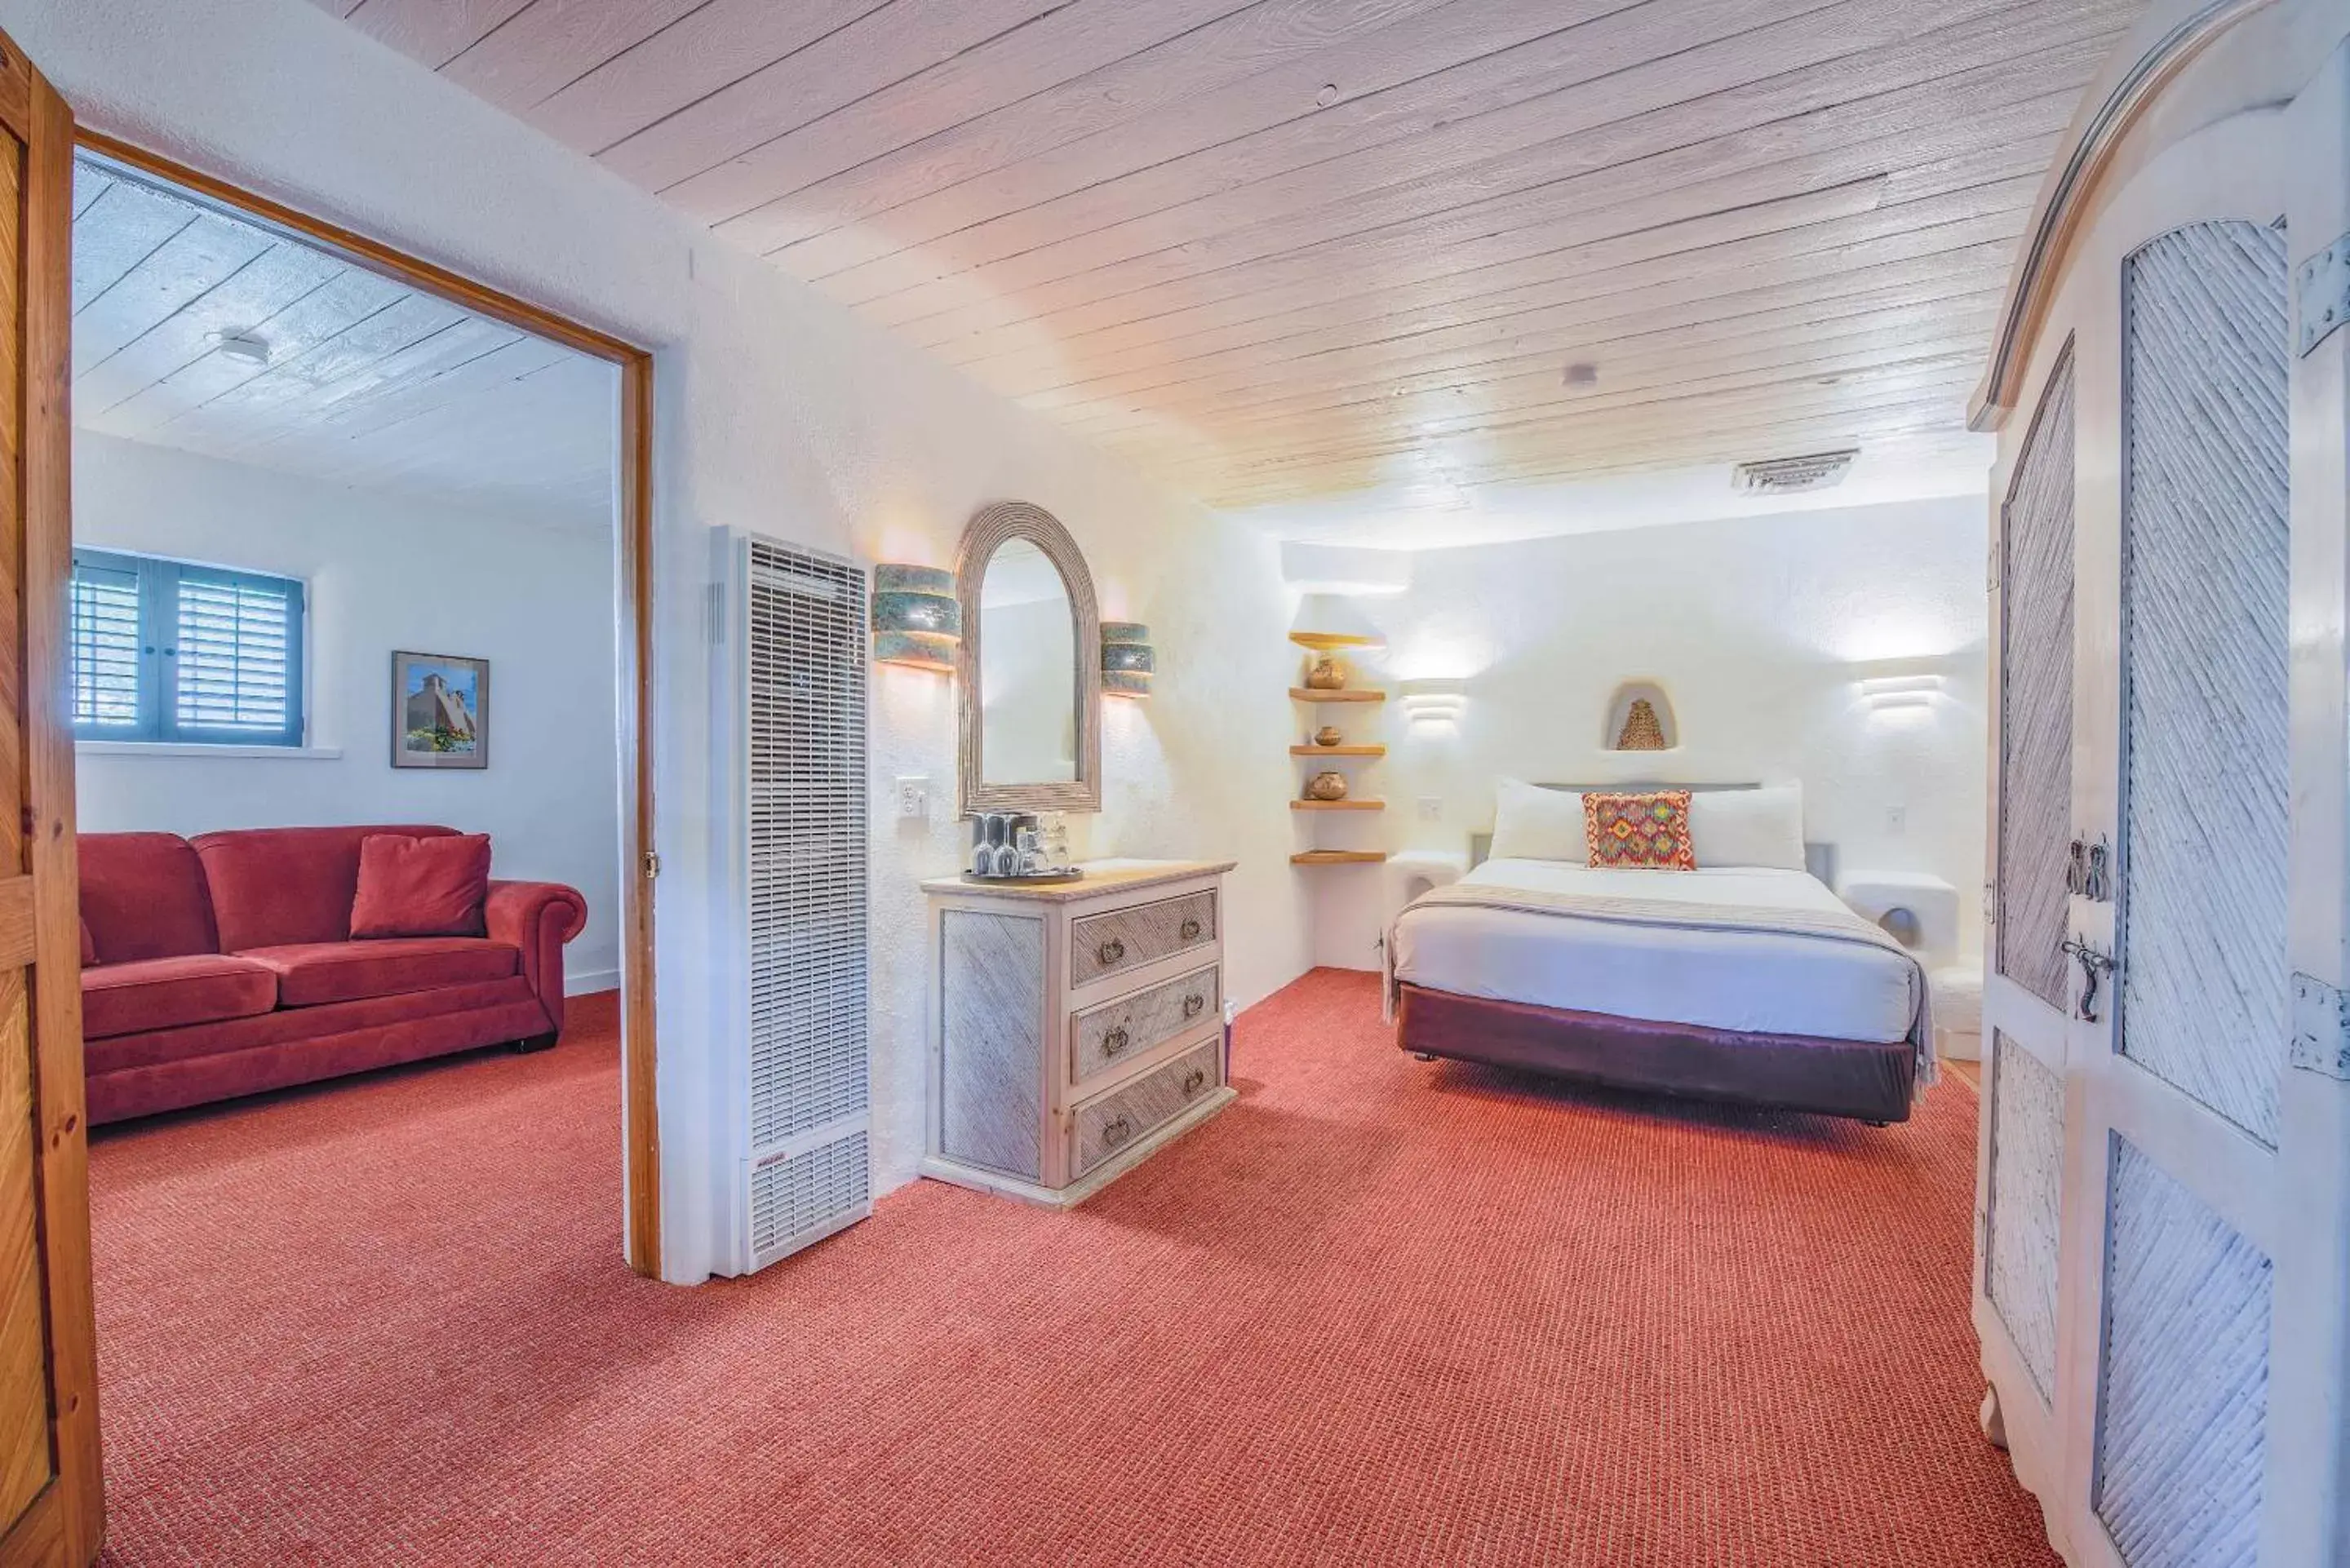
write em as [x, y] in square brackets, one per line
[1765, 982]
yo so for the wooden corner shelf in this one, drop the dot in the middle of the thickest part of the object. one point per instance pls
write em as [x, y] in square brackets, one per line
[1346, 695]
[1339, 857]
[1338, 805]
[1324, 641]
[1337, 750]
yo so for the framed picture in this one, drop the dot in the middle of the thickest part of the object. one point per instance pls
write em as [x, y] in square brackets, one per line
[439, 712]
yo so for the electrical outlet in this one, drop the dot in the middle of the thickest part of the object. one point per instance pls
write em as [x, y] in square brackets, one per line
[1897, 819]
[914, 797]
[1431, 808]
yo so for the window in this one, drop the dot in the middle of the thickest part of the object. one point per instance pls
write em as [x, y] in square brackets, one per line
[172, 651]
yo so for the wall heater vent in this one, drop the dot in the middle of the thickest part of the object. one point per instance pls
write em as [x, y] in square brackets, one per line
[1793, 475]
[801, 716]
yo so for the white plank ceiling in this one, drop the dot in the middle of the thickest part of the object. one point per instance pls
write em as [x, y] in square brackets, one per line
[1279, 250]
[365, 383]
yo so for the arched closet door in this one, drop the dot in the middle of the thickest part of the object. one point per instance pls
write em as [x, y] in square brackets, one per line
[2164, 1194]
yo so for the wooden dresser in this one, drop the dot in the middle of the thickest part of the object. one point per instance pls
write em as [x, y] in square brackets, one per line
[1075, 1028]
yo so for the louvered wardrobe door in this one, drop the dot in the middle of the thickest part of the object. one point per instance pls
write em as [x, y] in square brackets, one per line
[2028, 995]
[2202, 907]
[2035, 773]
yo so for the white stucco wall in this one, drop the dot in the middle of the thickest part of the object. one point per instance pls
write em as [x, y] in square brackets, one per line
[774, 411]
[387, 572]
[1759, 629]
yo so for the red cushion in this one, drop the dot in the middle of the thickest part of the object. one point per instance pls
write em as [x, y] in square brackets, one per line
[272, 886]
[421, 886]
[89, 945]
[312, 973]
[169, 992]
[143, 896]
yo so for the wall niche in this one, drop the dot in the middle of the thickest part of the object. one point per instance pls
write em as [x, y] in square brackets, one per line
[1641, 719]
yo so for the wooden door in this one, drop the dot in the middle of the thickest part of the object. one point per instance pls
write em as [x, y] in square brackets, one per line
[50, 1509]
[2161, 1291]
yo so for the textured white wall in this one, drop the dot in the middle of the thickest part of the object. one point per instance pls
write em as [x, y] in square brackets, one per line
[1759, 629]
[388, 572]
[775, 410]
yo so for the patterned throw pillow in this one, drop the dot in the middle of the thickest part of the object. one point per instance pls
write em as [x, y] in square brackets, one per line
[1645, 831]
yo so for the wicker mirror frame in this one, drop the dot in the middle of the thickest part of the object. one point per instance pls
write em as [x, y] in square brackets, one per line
[991, 527]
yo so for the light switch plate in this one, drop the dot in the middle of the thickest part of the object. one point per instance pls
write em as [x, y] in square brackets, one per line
[914, 797]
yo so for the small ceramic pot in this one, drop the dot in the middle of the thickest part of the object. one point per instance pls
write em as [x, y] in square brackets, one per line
[1328, 785]
[1328, 673]
[1327, 735]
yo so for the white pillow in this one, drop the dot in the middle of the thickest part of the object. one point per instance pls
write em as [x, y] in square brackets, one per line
[1748, 827]
[1534, 823]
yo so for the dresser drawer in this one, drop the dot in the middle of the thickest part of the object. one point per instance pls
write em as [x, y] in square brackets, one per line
[1118, 1119]
[1103, 944]
[1116, 1032]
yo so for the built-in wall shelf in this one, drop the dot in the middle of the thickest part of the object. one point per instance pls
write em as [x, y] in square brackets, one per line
[1339, 857]
[1324, 641]
[1344, 695]
[1337, 750]
[1338, 805]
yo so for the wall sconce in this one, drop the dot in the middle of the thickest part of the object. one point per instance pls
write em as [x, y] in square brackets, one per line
[1901, 692]
[916, 618]
[1127, 662]
[1433, 701]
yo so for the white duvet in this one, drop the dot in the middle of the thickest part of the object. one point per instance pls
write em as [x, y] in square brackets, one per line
[1769, 983]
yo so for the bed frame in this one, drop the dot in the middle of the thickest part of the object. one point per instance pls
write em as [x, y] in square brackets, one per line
[1789, 1072]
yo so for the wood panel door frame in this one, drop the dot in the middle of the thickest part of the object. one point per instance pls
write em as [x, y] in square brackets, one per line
[64, 1520]
[639, 864]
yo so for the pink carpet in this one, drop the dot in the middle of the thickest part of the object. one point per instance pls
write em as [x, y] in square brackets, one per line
[1376, 1313]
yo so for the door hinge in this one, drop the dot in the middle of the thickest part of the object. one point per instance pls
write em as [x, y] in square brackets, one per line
[2323, 294]
[651, 865]
[2320, 1027]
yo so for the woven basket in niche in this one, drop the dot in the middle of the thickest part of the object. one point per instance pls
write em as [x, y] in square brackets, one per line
[1641, 731]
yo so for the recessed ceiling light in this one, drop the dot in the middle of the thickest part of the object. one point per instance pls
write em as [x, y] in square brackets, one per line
[1582, 373]
[245, 347]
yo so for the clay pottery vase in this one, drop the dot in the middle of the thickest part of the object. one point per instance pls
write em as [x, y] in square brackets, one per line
[1328, 785]
[1327, 735]
[1328, 674]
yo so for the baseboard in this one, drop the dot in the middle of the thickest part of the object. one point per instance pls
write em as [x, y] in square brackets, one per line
[580, 983]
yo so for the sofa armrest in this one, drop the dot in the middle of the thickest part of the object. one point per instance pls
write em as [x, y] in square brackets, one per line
[537, 918]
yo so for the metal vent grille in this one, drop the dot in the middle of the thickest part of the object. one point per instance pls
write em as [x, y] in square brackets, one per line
[1789, 475]
[807, 842]
[795, 1197]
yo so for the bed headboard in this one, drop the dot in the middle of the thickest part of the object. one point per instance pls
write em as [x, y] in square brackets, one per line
[1819, 859]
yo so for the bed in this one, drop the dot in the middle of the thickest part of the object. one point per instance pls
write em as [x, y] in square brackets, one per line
[1753, 984]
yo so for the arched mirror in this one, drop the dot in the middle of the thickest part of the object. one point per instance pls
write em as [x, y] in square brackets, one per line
[1030, 663]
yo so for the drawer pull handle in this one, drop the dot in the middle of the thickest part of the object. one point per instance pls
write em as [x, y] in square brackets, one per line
[1193, 1081]
[1191, 931]
[1193, 1003]
[1114, 1042]
[1116, 1131]
[1110, 951]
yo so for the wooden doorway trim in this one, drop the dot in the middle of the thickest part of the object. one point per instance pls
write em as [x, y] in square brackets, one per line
[641, 1129]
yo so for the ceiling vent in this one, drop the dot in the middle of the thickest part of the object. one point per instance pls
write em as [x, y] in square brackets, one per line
[1792, 475]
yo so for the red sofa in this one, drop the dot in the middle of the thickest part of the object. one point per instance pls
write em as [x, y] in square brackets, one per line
[225, 965]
